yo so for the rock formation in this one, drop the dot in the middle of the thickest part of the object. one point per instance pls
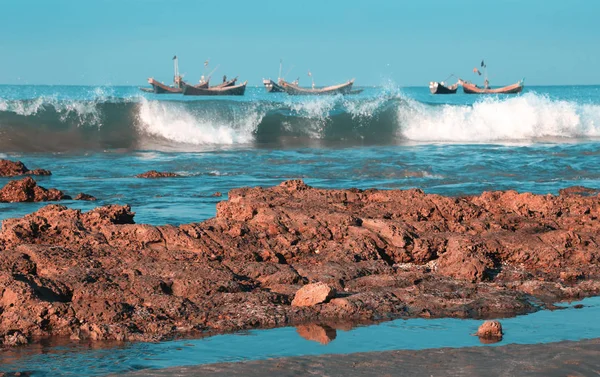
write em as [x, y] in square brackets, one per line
[388, 254]
[14, 168]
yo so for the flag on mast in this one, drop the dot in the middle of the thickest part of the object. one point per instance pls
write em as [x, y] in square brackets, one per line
[174, 57]
[206, 63]
[309, 74]
[482, 64]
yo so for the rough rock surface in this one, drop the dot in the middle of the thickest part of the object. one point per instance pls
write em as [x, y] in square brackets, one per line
[13, 168]
[490, 331]
[27, 190]
[313, 294]
[82, 196]
[389, 254]
[157, 174]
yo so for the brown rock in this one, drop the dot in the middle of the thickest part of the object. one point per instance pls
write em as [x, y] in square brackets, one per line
[82, 196]
[217, 194]
[13, 168]
[27, 190]
[578, 190]
[490, 331]
[313, 294]
[157, 174]
[317, 333]
[98, 275]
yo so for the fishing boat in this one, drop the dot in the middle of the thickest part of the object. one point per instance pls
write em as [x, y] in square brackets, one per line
[295, 90]
[201, 84]
[226, 83]
[161, 88]
[470, 88]
[441, 88]
[235, 90]
[272, 86]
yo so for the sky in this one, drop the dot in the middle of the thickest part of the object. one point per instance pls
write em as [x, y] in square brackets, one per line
[406, 42]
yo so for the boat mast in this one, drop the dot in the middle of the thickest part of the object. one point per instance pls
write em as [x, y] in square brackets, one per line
[280, 66]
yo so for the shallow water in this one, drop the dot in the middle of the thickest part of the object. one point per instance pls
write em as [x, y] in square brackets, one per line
[412, 334]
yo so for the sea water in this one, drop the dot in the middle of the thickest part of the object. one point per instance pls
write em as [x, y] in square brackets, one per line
[96, 139]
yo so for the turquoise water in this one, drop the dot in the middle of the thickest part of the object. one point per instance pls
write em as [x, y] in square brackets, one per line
[96, 139]
[411, 334]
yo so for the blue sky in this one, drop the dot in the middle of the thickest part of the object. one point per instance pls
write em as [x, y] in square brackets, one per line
[122, 42]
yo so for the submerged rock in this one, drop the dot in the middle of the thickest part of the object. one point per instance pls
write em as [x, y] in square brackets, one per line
[389, 254]
[14, 168]
[27, 190]
[82, 196]
[157, 174]
[490, 332]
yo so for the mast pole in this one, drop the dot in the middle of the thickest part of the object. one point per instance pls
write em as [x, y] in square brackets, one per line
[280, 66]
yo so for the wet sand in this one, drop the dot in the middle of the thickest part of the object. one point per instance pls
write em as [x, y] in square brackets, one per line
[553, 359]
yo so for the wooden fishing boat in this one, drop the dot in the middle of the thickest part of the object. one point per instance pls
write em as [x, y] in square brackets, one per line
[295, 90]
[236, 90]
[440, 88]
[272, 86]
[161, 88]
[226, 84]
[201, 85]
[470, 88]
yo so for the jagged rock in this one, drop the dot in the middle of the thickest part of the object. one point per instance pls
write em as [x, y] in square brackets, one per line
[13, 168]
[157, 174]
[82, 196]
[27, 190]
[389, 254]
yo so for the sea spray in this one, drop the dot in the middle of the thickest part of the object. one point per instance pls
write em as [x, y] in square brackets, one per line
[527, 117]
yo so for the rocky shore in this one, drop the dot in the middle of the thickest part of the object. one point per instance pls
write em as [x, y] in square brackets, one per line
[369, 255]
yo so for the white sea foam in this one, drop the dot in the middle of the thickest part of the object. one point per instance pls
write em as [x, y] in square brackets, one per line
[178, 123]
[527, 117]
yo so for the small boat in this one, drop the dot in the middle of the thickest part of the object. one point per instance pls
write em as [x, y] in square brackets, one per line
[295, 90]
[441, 88]
[471, 88]
[161, 88]
[272, 86]
[235, 90]
[226, 84]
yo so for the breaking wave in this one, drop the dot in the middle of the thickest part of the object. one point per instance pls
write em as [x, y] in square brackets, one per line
[106, 122]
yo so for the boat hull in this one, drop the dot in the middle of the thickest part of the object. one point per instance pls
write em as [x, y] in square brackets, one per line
[236, 90]
[295, 90]
[160, 88]
[439, 88]
[469, 88]
[272, 86]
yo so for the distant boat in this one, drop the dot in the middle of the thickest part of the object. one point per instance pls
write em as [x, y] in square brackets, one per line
[235, 90]
[226, 84]
[161, 88]
[471, 88]
[295, 90]
[440, 88]
[201, 85]
[272, 86]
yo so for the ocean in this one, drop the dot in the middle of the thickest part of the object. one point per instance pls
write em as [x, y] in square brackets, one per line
[96, 139]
